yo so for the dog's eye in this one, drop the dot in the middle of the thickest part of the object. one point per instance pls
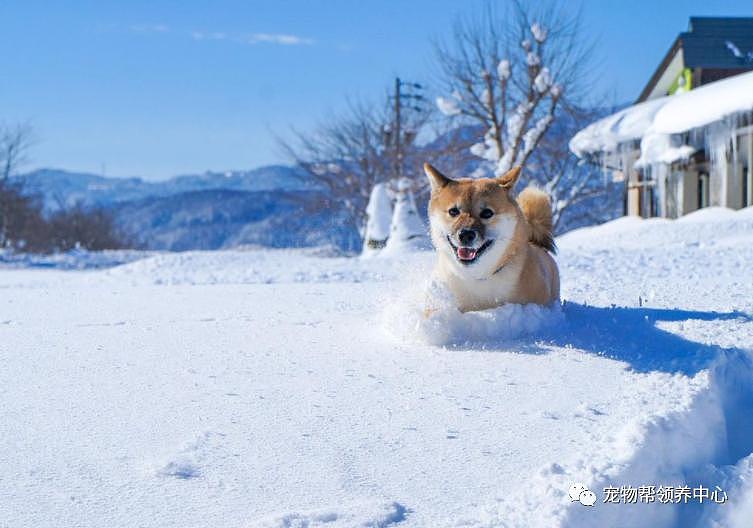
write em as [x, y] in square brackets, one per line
[454, 211]
[486, 213]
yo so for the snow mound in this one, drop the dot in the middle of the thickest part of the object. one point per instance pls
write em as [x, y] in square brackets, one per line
[705, 227]
[379, 214]
[710, 214]
[407, 230]
[617, 227]
[740, 509]
[745, 213]
[359, 515]
[430, 316]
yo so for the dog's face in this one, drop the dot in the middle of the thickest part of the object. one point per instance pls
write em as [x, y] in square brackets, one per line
[472, 220]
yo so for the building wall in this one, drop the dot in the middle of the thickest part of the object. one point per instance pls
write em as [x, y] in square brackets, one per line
[728, 180]
[745, 157]
[734, 198]
[634, 201]
[688, 191]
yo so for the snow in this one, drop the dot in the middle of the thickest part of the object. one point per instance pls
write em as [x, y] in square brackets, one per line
[73, 259]
[620, 127]
[503, 69]
[543, 80]
[362, 515]
[539, 32]
[705, 104]
[379, 214]
[535, 132]
[407, 230]
[405, 318]
[448, 107]
[488, 149]
[659, 148]
[283, 388]
[674, 114]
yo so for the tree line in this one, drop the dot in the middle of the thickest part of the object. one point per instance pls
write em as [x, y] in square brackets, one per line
[24, 226]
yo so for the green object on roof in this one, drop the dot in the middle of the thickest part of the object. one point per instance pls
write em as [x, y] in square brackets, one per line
[683, 83]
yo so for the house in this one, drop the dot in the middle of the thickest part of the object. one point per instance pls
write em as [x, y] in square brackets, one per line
[687, 142]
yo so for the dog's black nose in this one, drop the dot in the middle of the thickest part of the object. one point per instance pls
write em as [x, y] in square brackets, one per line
[467, 236]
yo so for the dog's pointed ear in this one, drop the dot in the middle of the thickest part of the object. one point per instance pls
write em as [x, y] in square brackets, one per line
[436, 178]
[508, 179]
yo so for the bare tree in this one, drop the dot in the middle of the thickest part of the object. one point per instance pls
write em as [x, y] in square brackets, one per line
[15, 141]
[580, 194]
[24, 227]
[348, 155]
[93, 229]
[510, 73]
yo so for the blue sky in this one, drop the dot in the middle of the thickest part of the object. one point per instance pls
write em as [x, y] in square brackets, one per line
[158, 88]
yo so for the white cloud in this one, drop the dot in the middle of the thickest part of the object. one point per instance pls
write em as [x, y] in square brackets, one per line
[204, 35]
[150, 28]
[279, 38]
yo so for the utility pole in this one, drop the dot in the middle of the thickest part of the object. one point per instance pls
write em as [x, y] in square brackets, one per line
[398, 140]
[397, 134]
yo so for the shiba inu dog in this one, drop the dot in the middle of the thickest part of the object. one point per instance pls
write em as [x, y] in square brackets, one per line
[492, 249]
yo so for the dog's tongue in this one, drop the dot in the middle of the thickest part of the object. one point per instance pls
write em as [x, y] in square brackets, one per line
[466, 253]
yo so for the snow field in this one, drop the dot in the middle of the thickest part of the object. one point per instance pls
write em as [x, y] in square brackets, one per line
[281, 388]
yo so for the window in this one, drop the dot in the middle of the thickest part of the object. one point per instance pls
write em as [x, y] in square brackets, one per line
[703, 190]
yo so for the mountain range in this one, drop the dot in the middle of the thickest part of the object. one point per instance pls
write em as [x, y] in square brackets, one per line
[272, 206]
[61, 189]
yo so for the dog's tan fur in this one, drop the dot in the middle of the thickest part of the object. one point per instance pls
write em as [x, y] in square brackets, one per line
[517, 266]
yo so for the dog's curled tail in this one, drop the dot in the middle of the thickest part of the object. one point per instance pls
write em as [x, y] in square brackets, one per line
[537, 208]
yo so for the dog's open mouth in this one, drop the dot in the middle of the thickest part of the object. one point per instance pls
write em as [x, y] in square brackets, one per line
[468, 255]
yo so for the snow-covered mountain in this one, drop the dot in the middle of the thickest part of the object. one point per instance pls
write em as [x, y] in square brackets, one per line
[222, 218]
[271, 206]
[60, 188]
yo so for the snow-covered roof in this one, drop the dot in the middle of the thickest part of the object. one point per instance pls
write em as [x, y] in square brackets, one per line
[705, 104]
[660, 148]
[626, 125]
[668, 115]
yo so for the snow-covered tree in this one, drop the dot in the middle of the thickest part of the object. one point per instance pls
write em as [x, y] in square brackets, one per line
[348, 154]
[407, 230]
[510, 73]
[378, 219]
